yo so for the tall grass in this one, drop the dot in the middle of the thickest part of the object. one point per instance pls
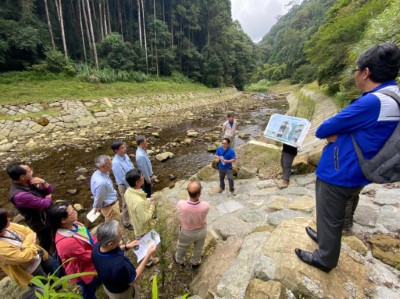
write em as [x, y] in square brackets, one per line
[305, 107]
[261, 86]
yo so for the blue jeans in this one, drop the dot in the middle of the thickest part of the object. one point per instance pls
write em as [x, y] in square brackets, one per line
[89, 290]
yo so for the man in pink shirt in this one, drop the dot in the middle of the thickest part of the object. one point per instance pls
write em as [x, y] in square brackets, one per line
[193, 219]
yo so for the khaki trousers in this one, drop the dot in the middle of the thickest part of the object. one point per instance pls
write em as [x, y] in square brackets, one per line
[124, 209]
[187, 238]
[130, 293]
[111, 212]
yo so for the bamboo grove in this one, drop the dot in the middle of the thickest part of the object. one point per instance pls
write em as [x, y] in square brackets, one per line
[156, 37]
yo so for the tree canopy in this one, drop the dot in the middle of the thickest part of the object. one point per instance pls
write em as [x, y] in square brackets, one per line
[157, 37]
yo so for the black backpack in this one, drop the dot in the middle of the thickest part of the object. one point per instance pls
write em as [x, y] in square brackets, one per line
[384, 167]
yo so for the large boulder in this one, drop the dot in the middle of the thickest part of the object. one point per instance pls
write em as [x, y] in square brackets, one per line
[206, 281]
[349, 279]
[265, 289]
[386, 249]
[164, 156]
[234, 282]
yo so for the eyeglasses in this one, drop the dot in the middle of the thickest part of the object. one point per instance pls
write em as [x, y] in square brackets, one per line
[354, 71]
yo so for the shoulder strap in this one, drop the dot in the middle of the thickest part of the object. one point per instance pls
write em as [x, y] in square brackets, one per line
[388, 93]
[391, 94]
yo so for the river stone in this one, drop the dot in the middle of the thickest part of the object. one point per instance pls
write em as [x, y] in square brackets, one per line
[389, 217]
[78, 207]
[244, 135]
[252, 216]
[187, 141]
[266, 184]
[192, 133]
[348, 280]
[231, 226]
[7, 147]
[265, 289]
[207, 173]
[81, 178]
[81, 170]
[155, 134]
[386, 249]
[212, 148]
[276, 218]
[43, 121]
[387, 197]
[305, 203]
[304, 180]
[229, 206]
[247, 172]
[355, 244]
[72, 191]
[366, 215]
[234, 282]
[31, 143]
[206, 281]
[278, 203]
[164, 156]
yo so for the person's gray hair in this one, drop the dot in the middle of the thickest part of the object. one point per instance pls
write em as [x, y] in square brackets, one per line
[108, 232]
[101, 160]
[140, 139]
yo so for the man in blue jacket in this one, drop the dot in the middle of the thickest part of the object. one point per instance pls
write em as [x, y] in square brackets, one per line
[371, 118]
[226, 156]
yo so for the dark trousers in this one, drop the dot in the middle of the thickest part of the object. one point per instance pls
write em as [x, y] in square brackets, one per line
[222, 174]
[89, 289]
[44, 237]
[286, 163]
[331, 210]
[350, 209]
[44, 268]
[146, 187]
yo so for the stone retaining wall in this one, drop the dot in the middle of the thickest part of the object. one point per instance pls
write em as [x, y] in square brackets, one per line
[38, 118]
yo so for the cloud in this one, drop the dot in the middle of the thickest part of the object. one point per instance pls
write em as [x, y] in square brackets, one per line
[258, 16]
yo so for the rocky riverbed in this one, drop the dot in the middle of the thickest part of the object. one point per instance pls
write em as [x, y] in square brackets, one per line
[180, 126]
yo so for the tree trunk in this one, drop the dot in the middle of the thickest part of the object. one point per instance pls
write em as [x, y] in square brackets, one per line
[139, 23]
[155, 38]
[120, 19]
[109, 17]
[81, 27]
[92, 35]
[86, 24]
[49, 25]
[106, 30]
[61, 21]
[102, 33]
[144, 37]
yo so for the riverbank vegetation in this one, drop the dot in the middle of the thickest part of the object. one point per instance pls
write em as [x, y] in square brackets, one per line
[319, 40]
[29, 87]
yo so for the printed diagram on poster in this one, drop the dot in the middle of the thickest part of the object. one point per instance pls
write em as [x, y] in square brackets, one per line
[287, 129]
[152, 238]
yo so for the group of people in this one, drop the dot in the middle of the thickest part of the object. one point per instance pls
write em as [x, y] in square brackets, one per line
[55, 224]
[371, 119]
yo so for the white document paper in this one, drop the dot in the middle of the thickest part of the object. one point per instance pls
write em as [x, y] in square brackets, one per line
[287, 129]
[152, 238]
[92, 215]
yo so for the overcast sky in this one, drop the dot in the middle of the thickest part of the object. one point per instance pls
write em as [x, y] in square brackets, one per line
[258, 16]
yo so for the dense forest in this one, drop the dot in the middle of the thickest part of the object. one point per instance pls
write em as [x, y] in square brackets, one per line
[195, 38]
[131, 40]
[321, 39]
